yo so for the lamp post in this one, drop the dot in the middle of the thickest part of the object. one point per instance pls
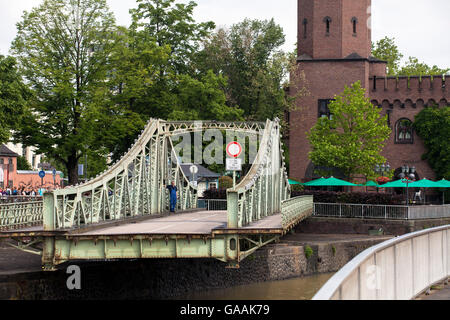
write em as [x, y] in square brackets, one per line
[409, 174]
[382, 169]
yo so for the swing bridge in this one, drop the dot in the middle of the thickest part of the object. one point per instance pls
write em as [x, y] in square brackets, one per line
[123, 213]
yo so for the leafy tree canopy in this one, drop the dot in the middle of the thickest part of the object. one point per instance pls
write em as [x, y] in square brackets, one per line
[386, 49]
[433, 126]
[64, 48]
[354, 136]
[248, 54]
[13, 97]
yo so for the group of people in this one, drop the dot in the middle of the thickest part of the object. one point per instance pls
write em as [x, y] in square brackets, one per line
[21, 191]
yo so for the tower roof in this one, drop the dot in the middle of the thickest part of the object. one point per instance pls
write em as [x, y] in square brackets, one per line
[6, 152]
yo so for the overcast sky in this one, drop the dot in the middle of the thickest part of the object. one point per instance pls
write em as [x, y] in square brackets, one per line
[420, 27]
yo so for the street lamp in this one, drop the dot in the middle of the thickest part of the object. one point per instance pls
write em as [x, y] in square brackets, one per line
[408, 174]
[382, 169]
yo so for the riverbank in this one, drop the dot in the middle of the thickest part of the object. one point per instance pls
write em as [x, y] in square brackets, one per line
[296, 255]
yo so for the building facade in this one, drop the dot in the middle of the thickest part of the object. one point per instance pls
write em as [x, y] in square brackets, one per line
[334, 51]
[11, 178]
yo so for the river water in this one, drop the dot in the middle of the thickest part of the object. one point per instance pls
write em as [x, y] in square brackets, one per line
[293, 289]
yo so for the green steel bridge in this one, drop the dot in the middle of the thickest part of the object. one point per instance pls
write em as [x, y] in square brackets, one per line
[123, 212]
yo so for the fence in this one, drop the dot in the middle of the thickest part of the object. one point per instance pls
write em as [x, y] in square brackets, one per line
[398, 269]
[369, 211]
[21, 214]
[212, 204]
[15, 199]
[296, 209]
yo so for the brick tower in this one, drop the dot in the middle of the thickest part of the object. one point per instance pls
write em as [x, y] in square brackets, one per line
[334, 51]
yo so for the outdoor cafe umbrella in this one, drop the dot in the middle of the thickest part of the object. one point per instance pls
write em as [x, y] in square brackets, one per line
[293, 182]
[330, 182]
[425, 183]
[314, 182]
[371, 184]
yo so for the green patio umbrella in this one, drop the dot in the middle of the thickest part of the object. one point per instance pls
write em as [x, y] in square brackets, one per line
[444, 183]
[314, 182]
[425, 183]
[371, 184]
[293, 182]
[395, 184]
[332, 182]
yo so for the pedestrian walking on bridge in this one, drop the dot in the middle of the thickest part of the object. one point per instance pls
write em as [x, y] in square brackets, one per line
[173, 196]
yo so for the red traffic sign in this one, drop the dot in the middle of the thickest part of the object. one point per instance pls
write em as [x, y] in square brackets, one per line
[234, 149]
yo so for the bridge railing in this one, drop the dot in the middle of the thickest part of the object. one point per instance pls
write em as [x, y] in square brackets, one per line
[398, 269]
[296, 209]
[371, 211]
[133, 186]
[260, 193]
[20, 214]
[14, 199]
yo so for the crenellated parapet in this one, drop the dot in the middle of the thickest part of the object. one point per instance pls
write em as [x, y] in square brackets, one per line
[410, 92]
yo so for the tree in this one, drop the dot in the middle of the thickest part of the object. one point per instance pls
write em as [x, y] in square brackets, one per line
[64, 48]
[354, 136]
[171, 25]
[415, 68]
[23, 164]
[433, 126]
[386, 49]
[249, 56]
[13, 97]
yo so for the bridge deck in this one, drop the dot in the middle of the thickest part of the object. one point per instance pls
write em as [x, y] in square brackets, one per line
[190, 223]
[200, 222]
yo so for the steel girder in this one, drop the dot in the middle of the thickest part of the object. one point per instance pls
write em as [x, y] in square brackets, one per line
[134, 186]
[261, 192]
[20, 214]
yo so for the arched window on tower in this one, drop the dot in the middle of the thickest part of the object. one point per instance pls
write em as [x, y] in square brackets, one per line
[354, 24]
[327, 21]
[305, 27]
[404, 131]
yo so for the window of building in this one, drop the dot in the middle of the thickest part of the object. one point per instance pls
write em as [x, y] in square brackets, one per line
[305, 27]
[33, 161]
[404, 131]
[354, 23]
[324, 111]
[327, 21]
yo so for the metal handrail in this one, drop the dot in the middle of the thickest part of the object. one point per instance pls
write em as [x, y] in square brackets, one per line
[394, 277]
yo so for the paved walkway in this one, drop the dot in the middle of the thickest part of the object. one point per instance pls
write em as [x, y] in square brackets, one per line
[442, 292]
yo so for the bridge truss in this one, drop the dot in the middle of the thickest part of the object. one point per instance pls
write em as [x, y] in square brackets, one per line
[134, 189]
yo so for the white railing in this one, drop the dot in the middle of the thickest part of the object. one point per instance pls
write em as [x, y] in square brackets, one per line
[20, 214]
[370, 211]
[296, 209]
[397, 269]
[212, 204]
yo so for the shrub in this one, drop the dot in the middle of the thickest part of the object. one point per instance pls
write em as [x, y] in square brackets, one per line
[352, 197]
[225, 182]
[215, 194]
[308, 252]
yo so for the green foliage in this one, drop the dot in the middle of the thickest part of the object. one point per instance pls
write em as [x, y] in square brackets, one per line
[333, 250]
[308, 252]
[13, 97]
[386, 49]
[23, 164]
[249, 55]
[64, 48]
[415, 68]
[225, 182]
[171, 24]
[353, 139]
[433, 126]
